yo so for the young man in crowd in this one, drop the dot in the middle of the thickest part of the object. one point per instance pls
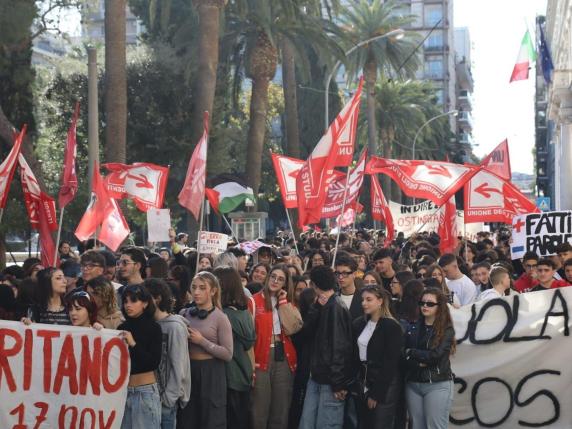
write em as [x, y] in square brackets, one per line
[345, 270]
[500, 280]
[546, 270]
[564, 252]
[130, 265]
[241, 256]
[528, 279]
[457, 282]
[568, 270]
[331, 362]
[92, 265]
[383, 265]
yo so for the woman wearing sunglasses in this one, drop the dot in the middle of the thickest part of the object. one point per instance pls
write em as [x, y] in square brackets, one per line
[379, 343]
[428, 346]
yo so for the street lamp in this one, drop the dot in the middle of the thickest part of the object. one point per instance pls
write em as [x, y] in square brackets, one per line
[453, 112]
[398, 34]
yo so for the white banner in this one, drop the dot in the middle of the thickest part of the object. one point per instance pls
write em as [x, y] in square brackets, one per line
[212, 242]
[512, 366]
[425, 217]
[540, 233]
[61, 377]
[158, 224]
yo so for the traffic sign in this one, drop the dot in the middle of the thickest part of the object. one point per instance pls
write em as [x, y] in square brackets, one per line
[543, 203]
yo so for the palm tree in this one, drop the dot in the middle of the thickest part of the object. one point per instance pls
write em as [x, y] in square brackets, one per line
[366, 20]
[115, 81]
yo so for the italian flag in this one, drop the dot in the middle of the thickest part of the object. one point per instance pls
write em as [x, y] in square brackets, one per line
[227, 196]
[526, 56]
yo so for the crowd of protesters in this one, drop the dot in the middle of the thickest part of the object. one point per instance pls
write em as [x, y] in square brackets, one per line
[275, 339]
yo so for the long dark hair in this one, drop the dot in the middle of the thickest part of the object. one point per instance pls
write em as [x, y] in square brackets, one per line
[409, 307]
[138, 293]
[232, 293]
[45, 289]
[443, 319]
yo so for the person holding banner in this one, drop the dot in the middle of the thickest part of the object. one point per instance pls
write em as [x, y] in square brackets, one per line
[82, 310]
[49, 307]
[546, 269]
[500, 280]
[144, 338]
[378, 348]
[429, 380]
[210, 346]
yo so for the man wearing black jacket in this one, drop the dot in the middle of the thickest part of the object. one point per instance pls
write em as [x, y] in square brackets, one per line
[331, 370]
[345, 270]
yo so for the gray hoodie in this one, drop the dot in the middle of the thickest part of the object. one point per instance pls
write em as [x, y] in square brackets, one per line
[174, 373]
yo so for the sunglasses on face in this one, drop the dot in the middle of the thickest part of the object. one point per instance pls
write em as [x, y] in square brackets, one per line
[427, 304]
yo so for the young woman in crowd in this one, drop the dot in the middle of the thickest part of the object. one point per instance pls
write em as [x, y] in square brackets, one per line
[82, 310]
[210, 346]
[396, 285]
[105, 296]
[300, 284]
[144, 338]
[371, 278]
[240, 369]
[276, 319]
[429, 343]
[436, 272]
[379, 341]
[317, 257]
[180, 276]
[409, 307]
[49, 307]
[174, 373]
[259, 273]
[205, 262]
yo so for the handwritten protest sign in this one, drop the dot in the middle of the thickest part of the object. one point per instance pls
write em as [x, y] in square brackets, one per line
[512, 365]
[158, 222]
[540, 233]
[212, 242]
[61, 377]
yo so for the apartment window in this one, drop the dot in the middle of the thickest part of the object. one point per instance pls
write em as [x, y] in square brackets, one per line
[433, 14]
[434, 41]
[434, 69]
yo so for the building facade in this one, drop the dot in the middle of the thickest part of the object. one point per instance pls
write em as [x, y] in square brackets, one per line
[464, 86]
[558, 116]
[93, 23]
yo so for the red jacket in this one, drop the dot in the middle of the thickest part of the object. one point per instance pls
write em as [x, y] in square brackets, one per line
[263, 325]
[524, 283]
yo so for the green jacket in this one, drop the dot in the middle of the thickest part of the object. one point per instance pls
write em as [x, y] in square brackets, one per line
[239, 369]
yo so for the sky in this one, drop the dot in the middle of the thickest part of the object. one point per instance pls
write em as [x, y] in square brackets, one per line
[501, 110]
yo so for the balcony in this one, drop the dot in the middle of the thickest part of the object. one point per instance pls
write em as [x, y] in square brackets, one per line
[436, 48]
[465, 120]
[465, 138]
[464, 75]
[465, 100]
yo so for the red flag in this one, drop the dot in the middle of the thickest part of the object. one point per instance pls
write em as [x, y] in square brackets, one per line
[347, 218]
[498, 161]
[286, 170]
[8, 166]
[489, 198]
[433, 180]
[335, 148]
[335, 197]
[213, 197]
[47, 219]
[114, 228]
[193, 192]
[99, 206]
[143, 182]
[33, 198]
[448, 227]
[380, 209]
[68, 188]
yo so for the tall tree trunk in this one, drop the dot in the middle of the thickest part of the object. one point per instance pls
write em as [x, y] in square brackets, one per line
[209, 23]
[115, 81]
[370, 75]
[290, 99]
[256, 131]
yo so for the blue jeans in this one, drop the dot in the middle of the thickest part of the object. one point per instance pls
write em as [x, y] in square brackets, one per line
[142, 408]
[168, 417]
[321, 409]
[429, 404]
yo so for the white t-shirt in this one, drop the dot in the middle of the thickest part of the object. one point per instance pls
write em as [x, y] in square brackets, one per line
[347, 300]
[363, 340]
[464, 288]
[276, 329]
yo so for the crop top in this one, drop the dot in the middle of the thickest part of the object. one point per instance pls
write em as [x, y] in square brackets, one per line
[146, 354]
[217, 334]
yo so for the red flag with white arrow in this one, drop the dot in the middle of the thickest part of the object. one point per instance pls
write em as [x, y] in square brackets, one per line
[433, 180]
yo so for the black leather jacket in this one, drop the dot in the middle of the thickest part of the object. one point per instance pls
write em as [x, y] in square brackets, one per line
[425, 363]
[332, 349]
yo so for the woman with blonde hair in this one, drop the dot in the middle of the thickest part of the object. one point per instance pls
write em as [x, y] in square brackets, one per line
[210, 346]
[103, 292]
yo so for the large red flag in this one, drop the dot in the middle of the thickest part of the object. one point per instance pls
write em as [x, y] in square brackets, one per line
[489, 198]
[448, 227]
[33, 196]
[47, 217]
[193, 192]
[8, 166]
[337, 188]
[433, 180]
[114, 228]
[335, 148]
[143, 182]
[380, 209]
[498, 161]
[286, 170]
[68, 188]
[98, 208]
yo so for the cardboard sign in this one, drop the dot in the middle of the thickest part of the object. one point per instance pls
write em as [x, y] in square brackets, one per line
[158, 224]
[540, 233]
[212, 242]
[61, 376]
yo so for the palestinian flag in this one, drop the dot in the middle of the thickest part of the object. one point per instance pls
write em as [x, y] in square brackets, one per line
[526, 56]
[227, 196]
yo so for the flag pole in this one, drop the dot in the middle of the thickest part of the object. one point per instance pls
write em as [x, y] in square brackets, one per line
[352, 232]
[59, 236]
[465, 236]
[199, 235]
[230, 228]
[1, 214]
[341, 216]
[292, 229]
